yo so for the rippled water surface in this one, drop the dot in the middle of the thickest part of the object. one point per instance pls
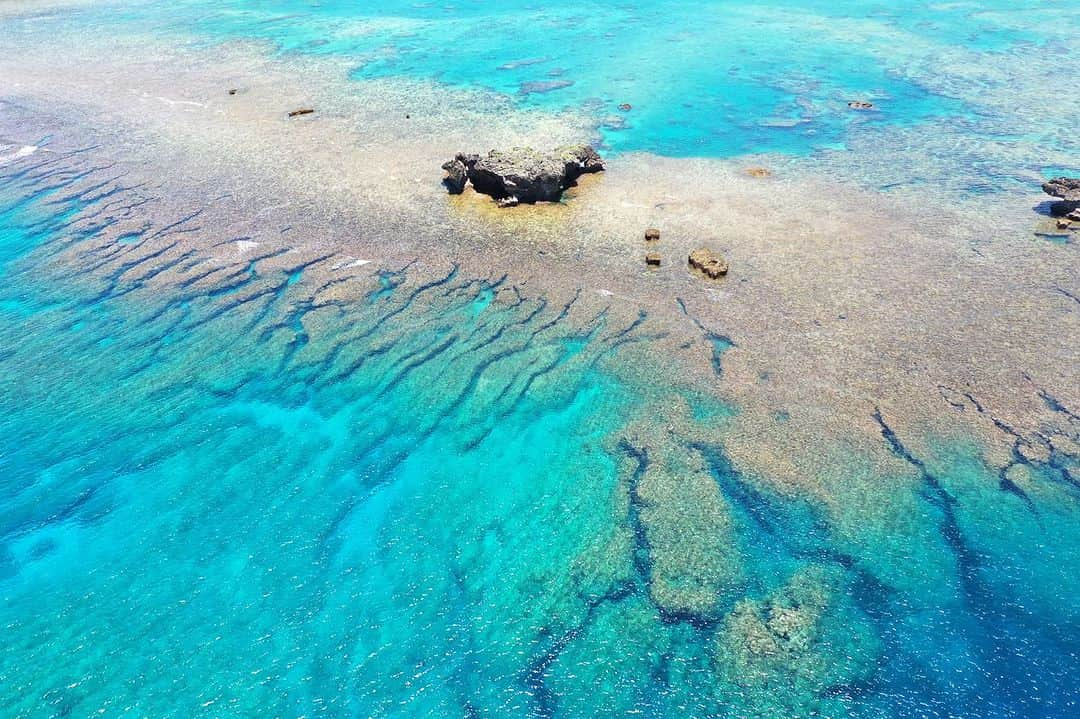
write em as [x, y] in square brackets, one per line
[228, 491]
[717, 78]
[442, 499]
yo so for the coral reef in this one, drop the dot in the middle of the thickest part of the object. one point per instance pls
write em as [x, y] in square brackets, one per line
[793, 651]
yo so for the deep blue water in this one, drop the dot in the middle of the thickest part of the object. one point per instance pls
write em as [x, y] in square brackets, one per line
[223, 493]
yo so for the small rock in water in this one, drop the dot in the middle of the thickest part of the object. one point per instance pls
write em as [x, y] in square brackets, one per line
[1054, 229]
[757, 172]
[652, 234]
[860, 105]
[653, 259]
[301, 111]
[710, 263]
[232, 91]
[1064, 208]
[1068, 189]
[626, 107]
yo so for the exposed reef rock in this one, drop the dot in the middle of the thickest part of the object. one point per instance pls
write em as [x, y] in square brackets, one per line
[1068, 189]
[653, 259]
[457, 172]
[522, 174]
[652, 235]
[709, 263]
[1064, 208]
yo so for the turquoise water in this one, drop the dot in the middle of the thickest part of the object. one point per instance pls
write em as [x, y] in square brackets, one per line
[225, 496]
[232, 492]
[714, 78]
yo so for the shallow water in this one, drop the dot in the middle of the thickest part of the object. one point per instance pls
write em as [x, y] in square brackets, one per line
[717, 78]
[443, 498]
[227, 488]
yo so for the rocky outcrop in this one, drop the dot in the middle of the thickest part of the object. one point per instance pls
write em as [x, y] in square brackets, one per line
[1068, 189]
[522, 174]
[457, 172]
[709, 263]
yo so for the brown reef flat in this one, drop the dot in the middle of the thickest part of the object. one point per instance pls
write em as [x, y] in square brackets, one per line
[848, 310]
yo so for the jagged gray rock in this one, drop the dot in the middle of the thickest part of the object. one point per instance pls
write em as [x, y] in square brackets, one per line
[1068, 189]
[522, 174]
[457, 172]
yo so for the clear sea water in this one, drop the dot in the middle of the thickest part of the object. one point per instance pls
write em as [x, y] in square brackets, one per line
[713, 78]
[232, 501]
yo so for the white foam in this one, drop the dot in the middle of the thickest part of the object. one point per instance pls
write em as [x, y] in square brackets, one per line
[190, 103]
[24, 151]
[167, 100]
[608, 293]
[351, 263]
